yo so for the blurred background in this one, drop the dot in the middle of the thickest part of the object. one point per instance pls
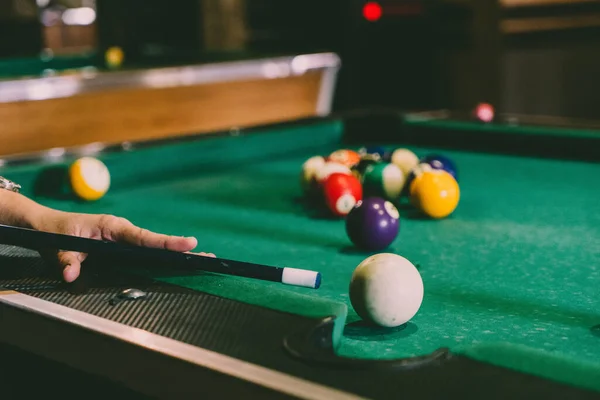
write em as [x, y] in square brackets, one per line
[522, 56]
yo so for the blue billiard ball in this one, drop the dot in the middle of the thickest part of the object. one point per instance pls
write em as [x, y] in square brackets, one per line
[378, 153]
[438, 161]
[373, 224]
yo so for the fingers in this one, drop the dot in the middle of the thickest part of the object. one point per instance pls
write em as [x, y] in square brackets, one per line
[205, 254]
[120, 229]
[70, 264]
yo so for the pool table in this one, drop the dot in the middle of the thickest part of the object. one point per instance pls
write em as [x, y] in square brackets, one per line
[47, 64]
[144, 102]
[19, 68]
[510, 309]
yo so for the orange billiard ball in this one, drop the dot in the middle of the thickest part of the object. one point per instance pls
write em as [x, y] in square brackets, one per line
[436, 193]
[349, 158]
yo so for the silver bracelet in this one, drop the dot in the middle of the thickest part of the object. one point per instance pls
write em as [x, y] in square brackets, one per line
[9, 185]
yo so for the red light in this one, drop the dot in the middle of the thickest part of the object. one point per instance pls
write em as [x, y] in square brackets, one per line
[485, 112]
[372, 11]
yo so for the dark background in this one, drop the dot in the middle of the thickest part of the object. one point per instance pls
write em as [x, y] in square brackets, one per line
[541, 59]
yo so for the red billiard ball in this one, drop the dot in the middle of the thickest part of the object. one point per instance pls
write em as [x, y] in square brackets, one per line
[342, 192]
[484, 112]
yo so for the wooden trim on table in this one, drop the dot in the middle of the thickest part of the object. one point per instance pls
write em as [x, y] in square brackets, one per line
[143, 113]
[538, 24]
[540, 3]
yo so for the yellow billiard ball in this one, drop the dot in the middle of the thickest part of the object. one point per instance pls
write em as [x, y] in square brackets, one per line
[89, 178]
[436, 193]
[114, 57]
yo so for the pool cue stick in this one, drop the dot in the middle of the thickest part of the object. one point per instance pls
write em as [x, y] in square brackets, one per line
[33, 239]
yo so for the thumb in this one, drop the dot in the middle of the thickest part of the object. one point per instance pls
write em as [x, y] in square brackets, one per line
[70, 264]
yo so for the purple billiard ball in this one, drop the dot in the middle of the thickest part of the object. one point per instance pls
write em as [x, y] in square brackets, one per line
[373, 224]
[438, 161]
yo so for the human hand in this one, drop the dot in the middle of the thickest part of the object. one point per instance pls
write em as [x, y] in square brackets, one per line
[102, 227]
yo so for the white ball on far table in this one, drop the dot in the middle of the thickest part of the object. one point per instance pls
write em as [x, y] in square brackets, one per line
[386, 289]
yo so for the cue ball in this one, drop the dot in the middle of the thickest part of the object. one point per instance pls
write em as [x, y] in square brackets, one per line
[89, 178]
[386, 289]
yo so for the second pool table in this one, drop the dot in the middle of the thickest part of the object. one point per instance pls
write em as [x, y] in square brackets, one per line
[511, 306]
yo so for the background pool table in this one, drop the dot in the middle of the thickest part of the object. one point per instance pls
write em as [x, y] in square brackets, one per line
[511, 278]
[46, 65]
[81, 107]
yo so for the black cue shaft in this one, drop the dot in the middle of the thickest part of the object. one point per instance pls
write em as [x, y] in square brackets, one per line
[34, 239]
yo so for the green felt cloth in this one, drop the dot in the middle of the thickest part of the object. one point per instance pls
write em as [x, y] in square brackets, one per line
[15, 68]
[519, 129]
[511, 278]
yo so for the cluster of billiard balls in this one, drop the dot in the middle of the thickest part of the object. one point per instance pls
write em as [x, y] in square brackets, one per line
[365, 186]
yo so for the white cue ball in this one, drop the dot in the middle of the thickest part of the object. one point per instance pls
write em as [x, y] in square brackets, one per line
[386, 289]
[405, 159]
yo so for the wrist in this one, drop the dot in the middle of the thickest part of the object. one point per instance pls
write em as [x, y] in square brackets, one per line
[18, 210]
[39, 217]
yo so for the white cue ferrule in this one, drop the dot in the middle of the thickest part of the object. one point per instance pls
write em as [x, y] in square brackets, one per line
[301, 277]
